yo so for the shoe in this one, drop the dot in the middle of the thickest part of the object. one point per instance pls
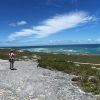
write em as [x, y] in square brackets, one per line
[13, 69]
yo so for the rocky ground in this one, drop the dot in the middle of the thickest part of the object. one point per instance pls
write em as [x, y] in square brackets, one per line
[30, 82]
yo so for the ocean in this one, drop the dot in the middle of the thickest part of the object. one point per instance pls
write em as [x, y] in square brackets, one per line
[79, 48]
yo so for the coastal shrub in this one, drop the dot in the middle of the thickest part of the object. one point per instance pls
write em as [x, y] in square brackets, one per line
[89, 87]
[98, 74]
[78, 78]
[61, 66]
[97, 91]
[93, 79]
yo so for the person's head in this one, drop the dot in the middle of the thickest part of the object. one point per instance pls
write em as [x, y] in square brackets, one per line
[11, 51]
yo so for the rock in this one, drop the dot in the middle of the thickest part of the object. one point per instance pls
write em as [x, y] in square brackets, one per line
[25, 57]
[98, 97]
[98, 68]
[77, 64]
[20, 51]
[36, 57]
[93, 67]
[31, 83]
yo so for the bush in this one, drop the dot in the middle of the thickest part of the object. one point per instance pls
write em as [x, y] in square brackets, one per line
[93, 79]
[78, 78]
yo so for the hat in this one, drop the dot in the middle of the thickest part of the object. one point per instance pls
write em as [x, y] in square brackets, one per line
[11, 50]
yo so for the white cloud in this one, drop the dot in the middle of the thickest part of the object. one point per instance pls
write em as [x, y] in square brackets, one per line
[18, 23]
[98, 40]
[55, 24]
[89, 39]
[24, 32]
[21, 23]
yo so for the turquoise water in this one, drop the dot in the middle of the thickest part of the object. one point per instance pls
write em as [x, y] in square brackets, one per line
[81, 48]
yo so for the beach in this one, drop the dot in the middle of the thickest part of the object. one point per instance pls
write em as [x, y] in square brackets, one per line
[30, 82]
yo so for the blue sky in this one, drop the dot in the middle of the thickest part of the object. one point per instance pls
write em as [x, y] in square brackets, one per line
[46, 22]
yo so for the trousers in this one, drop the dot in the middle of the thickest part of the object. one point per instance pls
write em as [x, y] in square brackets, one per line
[11, 63]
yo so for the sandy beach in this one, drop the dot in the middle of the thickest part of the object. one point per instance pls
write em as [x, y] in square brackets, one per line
[30, 82]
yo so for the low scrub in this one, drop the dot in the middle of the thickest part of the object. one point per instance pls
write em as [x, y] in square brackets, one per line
[88, 78]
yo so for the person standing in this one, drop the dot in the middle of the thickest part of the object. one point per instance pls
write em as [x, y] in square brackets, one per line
[11, 59]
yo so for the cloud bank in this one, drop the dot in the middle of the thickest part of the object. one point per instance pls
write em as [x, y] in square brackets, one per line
[55, 24]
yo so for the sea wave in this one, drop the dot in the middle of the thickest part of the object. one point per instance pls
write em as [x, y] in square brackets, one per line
[68, 49]
[53, 50]
[38, 49]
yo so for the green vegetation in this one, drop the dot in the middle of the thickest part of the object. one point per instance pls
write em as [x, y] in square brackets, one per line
[87, 75]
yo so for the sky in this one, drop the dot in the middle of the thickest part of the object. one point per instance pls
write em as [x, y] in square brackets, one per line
[49, 22]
